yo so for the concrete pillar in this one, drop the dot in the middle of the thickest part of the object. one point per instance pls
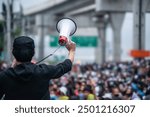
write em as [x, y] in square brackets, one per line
[27, 26]
[98, 4]
[139, 9]
[23, 26]
[40, 29]
[116, 23]
[100, 52]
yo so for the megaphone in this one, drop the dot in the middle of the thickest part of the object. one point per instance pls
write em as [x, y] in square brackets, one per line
[66, 27]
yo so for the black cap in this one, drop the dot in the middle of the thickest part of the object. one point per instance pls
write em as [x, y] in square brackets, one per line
[23, 42]
[23, 49]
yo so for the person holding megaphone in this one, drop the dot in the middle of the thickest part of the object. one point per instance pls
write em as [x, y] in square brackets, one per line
[28, 81]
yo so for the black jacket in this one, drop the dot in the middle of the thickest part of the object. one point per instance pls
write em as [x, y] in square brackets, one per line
[28, 81]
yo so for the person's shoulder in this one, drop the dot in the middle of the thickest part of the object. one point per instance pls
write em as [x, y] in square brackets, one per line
[42, 68]
[3, 73]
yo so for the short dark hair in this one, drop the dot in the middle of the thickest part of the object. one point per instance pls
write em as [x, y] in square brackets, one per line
[23, 49]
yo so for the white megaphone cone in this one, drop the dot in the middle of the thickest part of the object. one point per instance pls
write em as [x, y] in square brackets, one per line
[66, 27]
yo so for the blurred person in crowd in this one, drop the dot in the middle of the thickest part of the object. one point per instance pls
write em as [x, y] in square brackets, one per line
[70, 86]
[88, 93]
[3, 65]
[131, 94]
[77, 88]
[25, 80]
[107, 96]
[53, 95]
[116, 95]
[81, 95]
[53, 91]
[128, 94]
[63, 93]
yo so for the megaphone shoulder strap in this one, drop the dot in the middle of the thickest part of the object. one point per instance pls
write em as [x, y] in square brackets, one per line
[48, 55]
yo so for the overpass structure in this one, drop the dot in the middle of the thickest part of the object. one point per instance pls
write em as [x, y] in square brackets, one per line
[90, 13]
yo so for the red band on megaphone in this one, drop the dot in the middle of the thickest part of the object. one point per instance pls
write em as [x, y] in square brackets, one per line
[62, 40]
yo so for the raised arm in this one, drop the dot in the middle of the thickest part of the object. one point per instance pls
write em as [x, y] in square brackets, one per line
[65, 67]
[71, 46]
[61, 68]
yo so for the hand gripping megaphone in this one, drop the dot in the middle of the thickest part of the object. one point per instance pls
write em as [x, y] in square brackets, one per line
[66, 27]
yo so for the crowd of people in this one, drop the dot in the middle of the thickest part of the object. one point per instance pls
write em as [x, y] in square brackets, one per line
[108, 81]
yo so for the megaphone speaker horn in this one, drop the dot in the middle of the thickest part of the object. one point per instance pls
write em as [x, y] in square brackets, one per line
[66, 27]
